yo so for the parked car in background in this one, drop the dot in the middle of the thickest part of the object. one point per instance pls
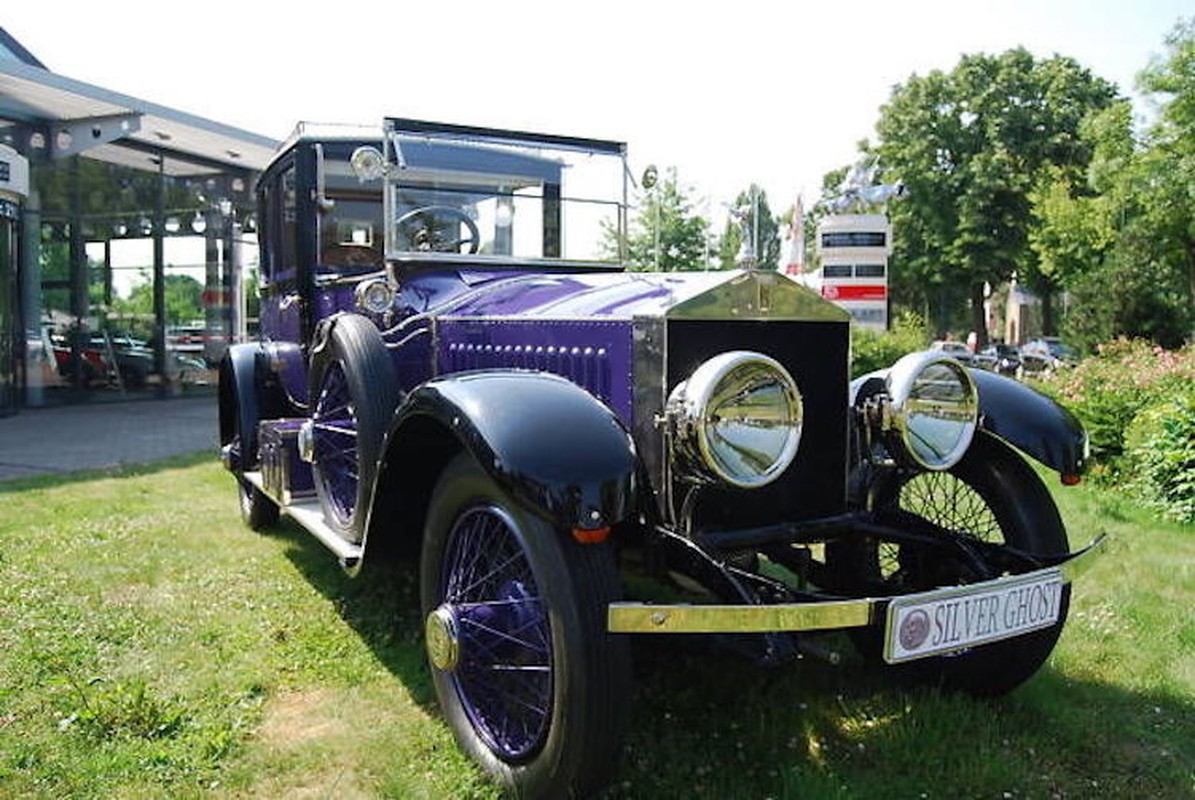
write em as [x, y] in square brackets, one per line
[963, 354]
[1005, 358]
[455, 362]
[1046, 354]
[101, 358]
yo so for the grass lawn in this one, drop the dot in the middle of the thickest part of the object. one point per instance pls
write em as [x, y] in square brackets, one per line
[151, 646]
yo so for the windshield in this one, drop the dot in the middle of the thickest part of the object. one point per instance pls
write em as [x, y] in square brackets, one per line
[454, 191]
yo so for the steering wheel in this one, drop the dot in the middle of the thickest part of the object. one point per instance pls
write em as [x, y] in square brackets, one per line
[423, 228]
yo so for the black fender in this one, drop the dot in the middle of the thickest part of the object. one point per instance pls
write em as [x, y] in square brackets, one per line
[1031, 422]
[1018, 414]
[288, 365]
[240, 406]
[554, 447]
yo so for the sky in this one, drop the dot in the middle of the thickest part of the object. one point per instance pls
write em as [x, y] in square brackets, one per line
[727, 93]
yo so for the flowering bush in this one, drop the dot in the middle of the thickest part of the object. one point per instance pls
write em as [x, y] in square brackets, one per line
[1108, 390]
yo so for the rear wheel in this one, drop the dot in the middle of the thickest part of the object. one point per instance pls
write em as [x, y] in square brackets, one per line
[257, 510]
[991, 495]
[533, 686]
[353, 395]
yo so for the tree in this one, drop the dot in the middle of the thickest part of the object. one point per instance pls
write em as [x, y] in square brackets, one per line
[666, 234]
[184, 300]
[756, 215]
[971, 146]
[1121, 238]
[1171, 161]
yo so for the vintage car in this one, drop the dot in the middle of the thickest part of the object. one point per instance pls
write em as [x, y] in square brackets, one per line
[455, 361]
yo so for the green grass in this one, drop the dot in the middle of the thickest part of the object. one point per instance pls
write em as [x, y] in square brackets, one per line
[151, 646]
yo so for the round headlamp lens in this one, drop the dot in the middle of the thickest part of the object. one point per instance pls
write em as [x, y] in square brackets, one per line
[738, 419]
[374, 297]
[936, 409]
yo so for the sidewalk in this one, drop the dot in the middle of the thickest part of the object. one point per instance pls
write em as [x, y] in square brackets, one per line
[38, 441]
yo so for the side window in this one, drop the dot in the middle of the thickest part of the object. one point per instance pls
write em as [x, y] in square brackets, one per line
[276, 198]
[351, 233]
[265, 234]
[287, 256]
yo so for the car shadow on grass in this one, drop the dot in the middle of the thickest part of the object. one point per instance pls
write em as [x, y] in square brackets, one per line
[380, 604]
[708, 723]
[723, 728]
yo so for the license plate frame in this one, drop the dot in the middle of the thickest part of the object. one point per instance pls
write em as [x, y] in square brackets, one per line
[956, 618]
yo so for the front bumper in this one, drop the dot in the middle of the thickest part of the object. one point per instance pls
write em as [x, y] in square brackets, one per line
[631, 617]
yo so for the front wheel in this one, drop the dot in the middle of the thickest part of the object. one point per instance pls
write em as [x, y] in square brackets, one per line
[354, 392]
[533, 686]
[991, 495]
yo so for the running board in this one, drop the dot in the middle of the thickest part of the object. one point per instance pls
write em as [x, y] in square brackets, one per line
[310, 516]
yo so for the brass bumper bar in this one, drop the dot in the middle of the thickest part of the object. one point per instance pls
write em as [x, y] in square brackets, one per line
[813, 616]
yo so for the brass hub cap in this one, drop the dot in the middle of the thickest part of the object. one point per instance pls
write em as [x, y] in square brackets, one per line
[443, 642]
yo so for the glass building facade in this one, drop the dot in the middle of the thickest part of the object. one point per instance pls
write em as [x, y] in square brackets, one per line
[124, 259]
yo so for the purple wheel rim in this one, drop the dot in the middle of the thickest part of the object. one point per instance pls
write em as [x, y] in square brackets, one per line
[334, 441]
[504, 675]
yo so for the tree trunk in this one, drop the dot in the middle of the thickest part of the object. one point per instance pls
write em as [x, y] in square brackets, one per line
[979, 322]
[1048, 326]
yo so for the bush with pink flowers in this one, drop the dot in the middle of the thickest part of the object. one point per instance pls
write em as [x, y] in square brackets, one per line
[1137, 402]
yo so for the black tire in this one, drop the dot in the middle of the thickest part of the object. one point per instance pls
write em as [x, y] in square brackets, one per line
[543, 715]
[991, 494]
[257, 511]
[354, 392]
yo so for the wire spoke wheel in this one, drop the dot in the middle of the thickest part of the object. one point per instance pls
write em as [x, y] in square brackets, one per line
[534, 688]
[947, 501]
[991, 495]
[353, 395]
[334, 430]
[504, 677]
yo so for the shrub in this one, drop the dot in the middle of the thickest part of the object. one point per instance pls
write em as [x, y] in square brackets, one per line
[872, 350]
[1160, 449]
[1108, 390]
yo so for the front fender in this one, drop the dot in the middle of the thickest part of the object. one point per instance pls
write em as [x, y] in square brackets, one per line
[545, 440]
[1021, 416]
[1032, 422]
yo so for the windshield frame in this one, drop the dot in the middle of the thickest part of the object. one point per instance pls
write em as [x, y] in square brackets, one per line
[485, 172]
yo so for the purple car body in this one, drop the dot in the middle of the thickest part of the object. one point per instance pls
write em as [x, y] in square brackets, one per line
[456, 362]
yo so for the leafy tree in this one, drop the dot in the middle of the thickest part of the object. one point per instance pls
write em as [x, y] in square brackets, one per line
[757, 217]
[971, 146]
[1121, 238]
[667, 234]
[184, 300]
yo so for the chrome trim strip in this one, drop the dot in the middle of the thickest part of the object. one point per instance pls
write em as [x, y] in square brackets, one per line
[634, 617]
[682, 618]
[1081, 560]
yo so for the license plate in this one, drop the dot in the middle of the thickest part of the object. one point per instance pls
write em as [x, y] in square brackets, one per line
[945, 620]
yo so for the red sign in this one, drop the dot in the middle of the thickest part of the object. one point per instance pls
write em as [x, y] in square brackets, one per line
[855, 291]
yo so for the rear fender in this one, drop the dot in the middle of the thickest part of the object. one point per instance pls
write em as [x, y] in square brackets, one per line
[550, 444]
[239, 406]
[248, 393]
